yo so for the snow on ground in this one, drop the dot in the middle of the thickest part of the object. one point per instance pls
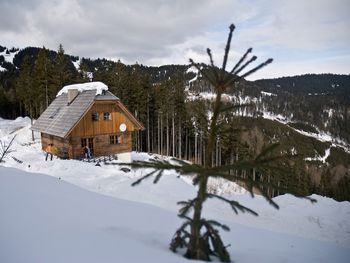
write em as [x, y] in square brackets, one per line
[76, 64]
[269, 94]
[320, 158]
[97, 85]
[49, 220]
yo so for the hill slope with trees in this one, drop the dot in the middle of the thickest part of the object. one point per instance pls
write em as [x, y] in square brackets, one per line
[167, 99]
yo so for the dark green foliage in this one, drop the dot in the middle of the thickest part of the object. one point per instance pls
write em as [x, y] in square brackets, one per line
[342, 191]
[321, 100]
[303, 127]
[157, 96]
[338, 156]
[4, 102]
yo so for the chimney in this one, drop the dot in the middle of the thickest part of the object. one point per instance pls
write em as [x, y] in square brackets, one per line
[72, 93]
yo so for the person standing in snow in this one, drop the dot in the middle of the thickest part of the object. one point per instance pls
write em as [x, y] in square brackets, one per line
[87, 152]
[48, 151]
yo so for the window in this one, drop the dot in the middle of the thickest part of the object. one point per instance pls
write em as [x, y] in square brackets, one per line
[94, 116]
[83, 143]
[116, 139]
[106, 116]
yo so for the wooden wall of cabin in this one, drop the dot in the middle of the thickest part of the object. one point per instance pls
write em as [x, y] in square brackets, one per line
[101, 130]
[102, 145]
[89, 128]
[62, 148]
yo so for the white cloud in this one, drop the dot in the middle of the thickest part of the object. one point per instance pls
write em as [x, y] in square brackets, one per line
[166, 32]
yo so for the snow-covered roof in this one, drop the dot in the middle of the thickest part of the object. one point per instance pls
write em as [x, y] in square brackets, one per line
[97, 85]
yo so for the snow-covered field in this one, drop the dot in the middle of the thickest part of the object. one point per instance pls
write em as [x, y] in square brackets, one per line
[73, 211]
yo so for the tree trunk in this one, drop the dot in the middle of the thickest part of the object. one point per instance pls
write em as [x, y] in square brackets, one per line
[167, 134]
[159, 141]
[148, 131]
[179, 139]
[161, 135]
[31, 122]
[186, 146]
[173, 123]
[195, 147]
[31, 119]
[194, 249]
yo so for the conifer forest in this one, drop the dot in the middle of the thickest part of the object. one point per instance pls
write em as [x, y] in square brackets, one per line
[174, 102]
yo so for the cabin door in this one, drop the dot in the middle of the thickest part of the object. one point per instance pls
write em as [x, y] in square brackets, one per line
[89, 142]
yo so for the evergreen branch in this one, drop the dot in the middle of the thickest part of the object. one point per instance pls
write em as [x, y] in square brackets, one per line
[245, 65]
[241, 60]
[234, 204]
[187, 205]
[203, 72]
[210, 223]
[185, 217]
[247, 180]
[256, 184]
[143, 178]
[211, 74]
[158, 176]
[250, 184]
[179, 238]
[197, 178]
[155, 164]
[180, 162]
[228, 44]
[264, 194]
[257, 68]
[239, 165]
[184, 225]
[218, 248]
[210, 57]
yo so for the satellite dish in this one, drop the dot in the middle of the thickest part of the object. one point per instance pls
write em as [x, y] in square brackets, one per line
[122, 127]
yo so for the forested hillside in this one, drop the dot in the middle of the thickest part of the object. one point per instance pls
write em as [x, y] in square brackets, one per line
[174, 104]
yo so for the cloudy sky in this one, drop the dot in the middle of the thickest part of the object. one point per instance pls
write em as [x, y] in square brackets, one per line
[303, 36]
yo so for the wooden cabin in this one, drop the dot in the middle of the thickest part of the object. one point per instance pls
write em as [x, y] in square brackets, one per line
[89, 117]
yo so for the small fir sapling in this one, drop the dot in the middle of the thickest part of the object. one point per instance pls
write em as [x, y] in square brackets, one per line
[197, 235]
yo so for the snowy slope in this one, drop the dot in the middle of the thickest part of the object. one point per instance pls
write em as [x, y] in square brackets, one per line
[46, 218]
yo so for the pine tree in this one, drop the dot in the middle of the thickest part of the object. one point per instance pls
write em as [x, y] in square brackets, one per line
[41, 78]
[25, 90]
[199, 236]
[84, 71]
[62, 74]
